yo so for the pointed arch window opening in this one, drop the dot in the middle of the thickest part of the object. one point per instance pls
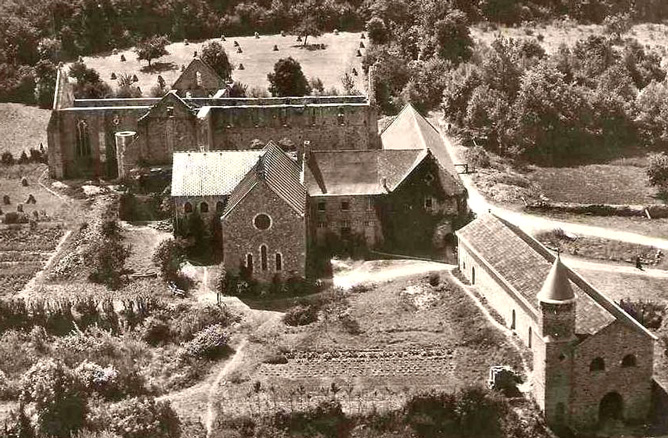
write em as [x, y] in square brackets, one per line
[83, 148]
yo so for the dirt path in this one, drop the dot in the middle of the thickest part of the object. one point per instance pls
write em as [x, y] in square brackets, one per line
[577, 262]
[535, 224]
[230, 366]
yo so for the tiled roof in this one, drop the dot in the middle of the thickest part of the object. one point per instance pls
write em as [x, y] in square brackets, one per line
[369, 172]
[517, 258]
[210, 173]
[281, 175]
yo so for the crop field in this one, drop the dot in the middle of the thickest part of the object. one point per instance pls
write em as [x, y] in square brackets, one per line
[372, 349]
[23, 253]
[257, 57]
[22, 127]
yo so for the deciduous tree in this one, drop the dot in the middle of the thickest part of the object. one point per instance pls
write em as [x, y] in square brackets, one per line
[152, 48]
[288, 79]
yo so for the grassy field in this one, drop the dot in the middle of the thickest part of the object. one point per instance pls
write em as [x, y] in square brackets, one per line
[22, 127]
[618, 182]
[258, 59]
[564, 32]
[10, 184]
[371, 349]
[640, 225]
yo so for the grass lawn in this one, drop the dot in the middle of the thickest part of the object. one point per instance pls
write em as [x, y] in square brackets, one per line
[371, 349]
[258, 59]
[10, 184]
[558, 32]
[22, 127]
[614, 183]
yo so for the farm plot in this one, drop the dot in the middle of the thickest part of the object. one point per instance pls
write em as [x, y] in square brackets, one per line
[371, 350]
[23, 253]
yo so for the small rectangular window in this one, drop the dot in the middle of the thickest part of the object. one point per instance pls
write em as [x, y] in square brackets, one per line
[322, 206]
[428, 202]
[345, 205]
[369, 203]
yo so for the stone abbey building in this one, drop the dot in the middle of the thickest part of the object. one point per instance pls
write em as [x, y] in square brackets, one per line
[341, 180]
[591, 360]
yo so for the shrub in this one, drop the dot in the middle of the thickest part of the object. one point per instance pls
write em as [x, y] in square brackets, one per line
[477, 156]
[7, 158]
[95, 378]
[208, 343]
[155, 331]
[301, 315]
[168, 257]
[657, 170]
[16, 217]
[434, 279]
[140, 418]
[648, 313]
[59, 401]
[109, 263]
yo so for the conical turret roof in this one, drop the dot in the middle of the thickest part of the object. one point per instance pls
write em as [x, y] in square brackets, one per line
[557, 288]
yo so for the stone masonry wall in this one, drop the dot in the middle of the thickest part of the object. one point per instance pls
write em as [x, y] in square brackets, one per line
[215, 210]
[361, 217]
[330, 127]
[286, 235]
[632, 383]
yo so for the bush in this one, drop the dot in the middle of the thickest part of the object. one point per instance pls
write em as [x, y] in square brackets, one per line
[141, 418]
[477, 156]
[208, 343]
[648, 313]
[7, 158]
[16, 217]
[59, 400]
[168, 257]
[657, 170]
[109, 263]
[301, 315]
[434, 279]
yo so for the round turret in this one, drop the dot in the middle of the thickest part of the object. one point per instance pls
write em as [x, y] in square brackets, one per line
[557, 287]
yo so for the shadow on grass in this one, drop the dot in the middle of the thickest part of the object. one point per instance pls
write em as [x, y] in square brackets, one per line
[158, 67]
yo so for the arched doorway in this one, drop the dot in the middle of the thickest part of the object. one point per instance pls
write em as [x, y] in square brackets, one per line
[611, 407]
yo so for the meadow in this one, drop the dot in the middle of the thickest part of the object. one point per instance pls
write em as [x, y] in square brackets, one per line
[258, 59]
[22, 127]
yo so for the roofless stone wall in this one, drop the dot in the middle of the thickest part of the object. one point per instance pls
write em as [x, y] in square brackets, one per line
[326, 126]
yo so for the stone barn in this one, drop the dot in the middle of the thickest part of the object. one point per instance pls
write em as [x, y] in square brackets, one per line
[591, 360]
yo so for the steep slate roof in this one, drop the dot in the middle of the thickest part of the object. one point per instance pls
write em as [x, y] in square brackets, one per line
[524, 264]
[210, 173]
[199, 65]
[556, 288]
[369, 172]
[281, 175]
[410, 130]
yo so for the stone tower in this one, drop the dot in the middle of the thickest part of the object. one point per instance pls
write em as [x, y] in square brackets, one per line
[553, 358]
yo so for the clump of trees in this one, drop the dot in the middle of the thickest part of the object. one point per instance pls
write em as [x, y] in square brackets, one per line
[288, 79]
[214, 55]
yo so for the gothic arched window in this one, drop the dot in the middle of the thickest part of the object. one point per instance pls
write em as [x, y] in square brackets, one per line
[263, 257]
[83, 139]
[204, 207]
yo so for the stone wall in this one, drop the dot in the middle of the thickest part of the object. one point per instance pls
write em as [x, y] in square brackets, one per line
[215, 205]
[286, 235]
[633, 383]
[328, 217]
[327, 127]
